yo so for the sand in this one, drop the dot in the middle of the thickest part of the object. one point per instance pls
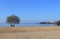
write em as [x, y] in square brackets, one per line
[30, 33]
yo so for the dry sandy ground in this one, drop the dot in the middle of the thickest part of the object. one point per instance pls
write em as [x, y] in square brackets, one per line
[30, 33]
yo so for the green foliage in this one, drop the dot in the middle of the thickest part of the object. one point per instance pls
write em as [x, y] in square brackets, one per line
[58, 23]
[13, 20]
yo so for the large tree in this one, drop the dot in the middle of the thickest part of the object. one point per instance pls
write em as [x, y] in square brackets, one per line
[12, 20]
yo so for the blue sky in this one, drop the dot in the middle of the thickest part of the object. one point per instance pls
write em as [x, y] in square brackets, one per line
[30, 11]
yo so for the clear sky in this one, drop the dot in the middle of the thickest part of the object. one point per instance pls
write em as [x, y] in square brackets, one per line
[30, 10]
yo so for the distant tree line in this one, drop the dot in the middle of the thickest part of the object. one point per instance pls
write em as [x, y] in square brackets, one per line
[57, 23]
[46, 23]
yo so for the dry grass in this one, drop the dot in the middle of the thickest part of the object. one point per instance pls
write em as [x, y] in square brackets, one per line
[30, 32]
[26, 29]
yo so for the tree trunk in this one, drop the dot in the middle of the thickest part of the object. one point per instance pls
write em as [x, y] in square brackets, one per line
[12, 25]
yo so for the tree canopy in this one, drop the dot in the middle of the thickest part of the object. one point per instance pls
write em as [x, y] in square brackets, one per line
[13, 20]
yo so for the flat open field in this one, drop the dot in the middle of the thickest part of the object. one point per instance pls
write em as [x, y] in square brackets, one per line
[30, 32]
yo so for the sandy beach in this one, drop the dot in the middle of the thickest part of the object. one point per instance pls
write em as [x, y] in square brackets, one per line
[30, 32]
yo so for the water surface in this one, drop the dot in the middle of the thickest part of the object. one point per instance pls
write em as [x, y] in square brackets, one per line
[25, 24]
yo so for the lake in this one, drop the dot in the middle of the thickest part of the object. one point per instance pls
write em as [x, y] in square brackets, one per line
[27, 24]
